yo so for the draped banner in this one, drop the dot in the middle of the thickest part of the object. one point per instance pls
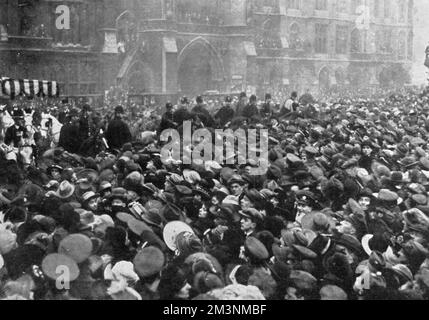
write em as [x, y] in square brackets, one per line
[30, 88]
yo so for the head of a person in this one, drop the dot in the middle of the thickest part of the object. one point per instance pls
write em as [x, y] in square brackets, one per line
[366, 149]
[251, 220]
[243, 97]
[119, 111]
[294, 95]
[169, 107]
[304, 204]
[237, 187]
[174, 283]
[86, 109]
[18, 117]
[364, 202]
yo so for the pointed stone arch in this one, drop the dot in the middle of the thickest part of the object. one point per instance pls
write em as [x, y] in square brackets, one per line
[197, 57]
[324, 76]
[140, 78]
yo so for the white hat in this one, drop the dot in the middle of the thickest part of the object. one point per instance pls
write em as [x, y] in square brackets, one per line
[365, 243]
[124, 269]
[172, 230]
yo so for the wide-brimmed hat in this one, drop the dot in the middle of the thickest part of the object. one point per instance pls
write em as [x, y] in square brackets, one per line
[52, 262]
[148, 262]
[149, 188]
[203, 193]
[304, 252]
[104, 185]
[386, 195]
[253, 214]
[118, 193]
[65, 190]
[303, 280]
[236, 179]
[90, 175]
[349, 241]
[376, 242]
[396, 177]
[137, 226]
[87, 196]
[76, 246]
[152, 217]
[124, 217]
[256, 248]
[317, 221]
[172, 230]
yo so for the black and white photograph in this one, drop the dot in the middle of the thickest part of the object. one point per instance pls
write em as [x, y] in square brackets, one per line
[209, 151]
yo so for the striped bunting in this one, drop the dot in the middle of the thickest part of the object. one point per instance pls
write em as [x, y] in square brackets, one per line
[31, 88]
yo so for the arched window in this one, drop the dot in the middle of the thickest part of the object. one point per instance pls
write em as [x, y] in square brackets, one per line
[295, 39]
[356, 43]
[324, 80]
[294, 4]
[410, 46]
[387, 8]
[355, 6]
[401, 10]
[341, 39]
[402, 42]
[376, 8]
[410, 10]
[321, 5]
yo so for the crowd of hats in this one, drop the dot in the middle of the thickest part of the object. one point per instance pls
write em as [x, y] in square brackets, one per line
[341, 213]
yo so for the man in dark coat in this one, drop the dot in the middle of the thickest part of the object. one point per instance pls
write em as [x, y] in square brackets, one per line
[202, 112]
[182, 113]
[241, 104]
[118, 133]
[266, 110]
[167, 121]
[15, 133]
[84, 123]
[226, 113]
[69, 135]
[251, 110]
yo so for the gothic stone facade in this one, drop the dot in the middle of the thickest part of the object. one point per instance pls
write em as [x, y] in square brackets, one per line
[187, 47]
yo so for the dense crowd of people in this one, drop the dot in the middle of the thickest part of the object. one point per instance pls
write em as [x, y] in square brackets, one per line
[342, 213]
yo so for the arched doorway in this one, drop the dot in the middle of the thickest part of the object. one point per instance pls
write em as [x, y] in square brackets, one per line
[139, 78]
[200, 69]
[324, 81]
[339, 77]
[385, 78]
